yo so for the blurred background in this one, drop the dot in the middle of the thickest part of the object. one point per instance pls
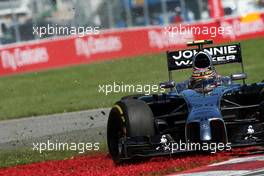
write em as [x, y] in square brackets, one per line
[17, 17]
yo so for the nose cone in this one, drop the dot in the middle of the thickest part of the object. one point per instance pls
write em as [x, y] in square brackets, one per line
[198, 131]
[205, 131]
[204, 121]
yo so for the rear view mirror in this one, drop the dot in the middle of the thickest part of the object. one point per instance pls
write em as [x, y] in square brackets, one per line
[167, 85]
[238, 76]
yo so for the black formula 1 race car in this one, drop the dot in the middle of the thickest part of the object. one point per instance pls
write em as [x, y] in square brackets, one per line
[206, 109]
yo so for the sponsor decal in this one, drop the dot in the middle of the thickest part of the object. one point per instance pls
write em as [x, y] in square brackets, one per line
[164, 145]
[250, 133]
[220, 54]
[91, 45]
[23, 57]
[205, 126]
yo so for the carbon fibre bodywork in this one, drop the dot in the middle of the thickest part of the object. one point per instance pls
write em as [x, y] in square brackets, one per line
[230, 113]
[224, 116]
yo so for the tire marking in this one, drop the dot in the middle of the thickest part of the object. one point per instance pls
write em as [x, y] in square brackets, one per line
[121, 112]
[122, 118]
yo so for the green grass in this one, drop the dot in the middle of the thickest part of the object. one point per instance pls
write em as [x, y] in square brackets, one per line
[26, 156]
[22, 156]
[76, 88]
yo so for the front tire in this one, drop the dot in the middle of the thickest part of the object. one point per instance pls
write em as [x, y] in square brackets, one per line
[128, 118]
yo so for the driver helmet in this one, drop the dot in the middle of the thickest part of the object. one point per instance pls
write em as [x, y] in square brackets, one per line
[203, 79]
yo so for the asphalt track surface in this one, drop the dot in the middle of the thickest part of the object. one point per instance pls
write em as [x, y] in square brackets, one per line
[83, 126]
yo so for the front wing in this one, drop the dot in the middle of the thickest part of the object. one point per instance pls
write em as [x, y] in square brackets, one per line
[151, 146]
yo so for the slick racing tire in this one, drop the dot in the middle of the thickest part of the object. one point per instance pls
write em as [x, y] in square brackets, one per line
[128, 118]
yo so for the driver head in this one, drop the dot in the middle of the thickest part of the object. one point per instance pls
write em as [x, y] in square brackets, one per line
[202, 60]
[204, 76]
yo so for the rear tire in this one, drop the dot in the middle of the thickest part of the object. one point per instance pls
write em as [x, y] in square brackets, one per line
[128, 118]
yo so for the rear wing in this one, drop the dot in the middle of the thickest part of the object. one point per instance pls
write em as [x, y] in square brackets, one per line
[224, 54]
